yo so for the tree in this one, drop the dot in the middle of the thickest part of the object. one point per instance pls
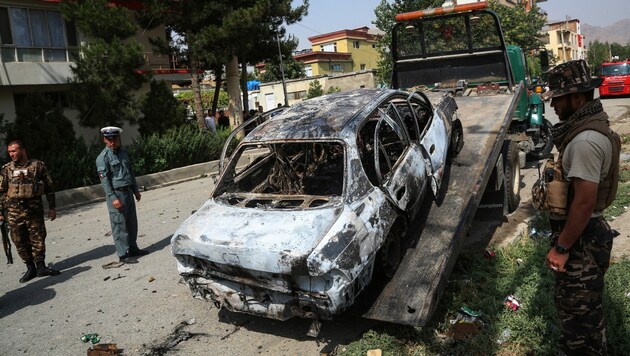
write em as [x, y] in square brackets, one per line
[292, 68]
[520, 27]
[41, 125]
[161, 110]
[385, 13]
[597, 54]
[314, 89]
[105, 75]
[219, 31]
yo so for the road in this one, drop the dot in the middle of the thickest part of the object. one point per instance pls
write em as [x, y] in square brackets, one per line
[144, 307]
[138, 307]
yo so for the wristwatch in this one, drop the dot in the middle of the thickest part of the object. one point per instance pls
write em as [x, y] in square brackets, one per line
[562, 249]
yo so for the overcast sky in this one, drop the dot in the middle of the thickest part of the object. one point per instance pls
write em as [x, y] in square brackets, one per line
[331, 15]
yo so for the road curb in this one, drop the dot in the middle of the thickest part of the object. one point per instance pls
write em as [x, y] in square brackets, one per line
[71, 198]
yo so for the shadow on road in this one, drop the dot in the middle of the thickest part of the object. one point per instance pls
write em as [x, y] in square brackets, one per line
[35, 292]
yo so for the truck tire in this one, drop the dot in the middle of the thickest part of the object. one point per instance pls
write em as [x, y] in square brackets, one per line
[546, 138]
[512, 175]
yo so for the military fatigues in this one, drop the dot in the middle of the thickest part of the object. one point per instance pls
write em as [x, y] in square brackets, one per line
[119, 182]
[21, 188]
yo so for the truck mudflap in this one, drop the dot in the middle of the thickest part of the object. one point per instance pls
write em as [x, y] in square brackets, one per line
[434, 239]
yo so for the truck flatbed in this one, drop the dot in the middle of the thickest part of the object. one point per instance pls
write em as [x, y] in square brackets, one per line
[435, 237]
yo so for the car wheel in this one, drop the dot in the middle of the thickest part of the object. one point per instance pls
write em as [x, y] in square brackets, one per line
[512, 174]
[388, 257]
[457, 138]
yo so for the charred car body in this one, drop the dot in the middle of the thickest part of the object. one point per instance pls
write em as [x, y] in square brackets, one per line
[318, 209]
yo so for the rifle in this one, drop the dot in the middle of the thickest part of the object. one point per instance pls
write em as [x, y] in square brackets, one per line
[6, 241]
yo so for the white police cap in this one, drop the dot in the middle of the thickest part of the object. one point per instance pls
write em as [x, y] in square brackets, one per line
[111, 131]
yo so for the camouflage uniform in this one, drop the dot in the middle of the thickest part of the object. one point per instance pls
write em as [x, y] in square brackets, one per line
[21, 188]
[579, 291]
[588, 151]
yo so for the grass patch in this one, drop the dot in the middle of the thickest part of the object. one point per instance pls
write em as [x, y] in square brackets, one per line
[518, 269]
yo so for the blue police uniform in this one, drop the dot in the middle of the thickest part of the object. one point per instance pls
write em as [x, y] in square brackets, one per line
[119, 182]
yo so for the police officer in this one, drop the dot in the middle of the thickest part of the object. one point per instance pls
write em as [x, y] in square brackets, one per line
[23, 181]
[583, 184]
[119, 183]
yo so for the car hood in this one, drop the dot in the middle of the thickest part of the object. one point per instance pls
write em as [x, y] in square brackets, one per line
[259, 239]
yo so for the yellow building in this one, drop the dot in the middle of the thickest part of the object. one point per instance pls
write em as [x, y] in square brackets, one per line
[565, 40]
[338, 52]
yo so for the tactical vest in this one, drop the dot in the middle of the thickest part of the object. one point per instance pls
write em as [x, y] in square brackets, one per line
[555, 192]
[24, 182]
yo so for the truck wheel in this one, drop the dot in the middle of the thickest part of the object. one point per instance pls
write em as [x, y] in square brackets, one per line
[512, 168]
[545, 137]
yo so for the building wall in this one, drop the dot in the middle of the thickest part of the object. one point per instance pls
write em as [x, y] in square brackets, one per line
[271, 94]
[565, 40]
[23, 76]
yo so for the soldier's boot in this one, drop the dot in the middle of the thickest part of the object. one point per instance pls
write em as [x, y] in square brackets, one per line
[30, 273]
[42, 270]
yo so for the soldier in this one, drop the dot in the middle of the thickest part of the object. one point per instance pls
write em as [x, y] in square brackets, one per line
[23, 181]
[119, 183]
[580, 185]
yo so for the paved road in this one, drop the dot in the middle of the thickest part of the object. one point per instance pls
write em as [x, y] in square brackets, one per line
[143, 307]
[136, 306]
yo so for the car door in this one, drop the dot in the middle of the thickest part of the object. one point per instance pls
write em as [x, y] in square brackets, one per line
[400, 167]
[435, 141]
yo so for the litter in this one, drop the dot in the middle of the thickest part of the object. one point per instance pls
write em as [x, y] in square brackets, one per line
[512, 302]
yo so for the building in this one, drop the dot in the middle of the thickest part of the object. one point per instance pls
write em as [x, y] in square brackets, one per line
[565, 40]
[271, 94]
[37, 47]
[339, 52]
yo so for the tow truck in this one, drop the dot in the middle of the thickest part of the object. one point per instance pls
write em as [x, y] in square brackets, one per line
[461, 49]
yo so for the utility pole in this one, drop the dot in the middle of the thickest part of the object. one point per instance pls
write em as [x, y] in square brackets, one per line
[284, 84]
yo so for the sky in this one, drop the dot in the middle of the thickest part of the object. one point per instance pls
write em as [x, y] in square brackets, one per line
[332, 15]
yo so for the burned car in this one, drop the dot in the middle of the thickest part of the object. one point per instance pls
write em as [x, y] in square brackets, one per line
[314, 202]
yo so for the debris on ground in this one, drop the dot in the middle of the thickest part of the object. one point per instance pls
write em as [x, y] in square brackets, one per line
[112, 265]
[505, 336]
[512, 302]
[467, 323]
[103, 350]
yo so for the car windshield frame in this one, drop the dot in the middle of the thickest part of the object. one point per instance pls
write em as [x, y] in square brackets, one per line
[307, 168]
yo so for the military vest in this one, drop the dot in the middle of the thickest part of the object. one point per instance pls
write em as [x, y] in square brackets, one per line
[24, 182]
[555, 192]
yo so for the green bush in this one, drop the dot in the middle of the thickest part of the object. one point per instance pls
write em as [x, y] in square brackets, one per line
[75, 166]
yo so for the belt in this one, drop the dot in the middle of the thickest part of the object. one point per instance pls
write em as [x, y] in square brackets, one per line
[126, 188]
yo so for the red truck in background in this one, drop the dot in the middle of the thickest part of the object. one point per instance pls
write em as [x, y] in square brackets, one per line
[616, 78]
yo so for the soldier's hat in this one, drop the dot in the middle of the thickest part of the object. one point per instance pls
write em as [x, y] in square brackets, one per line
[570, 77]
[111, 131]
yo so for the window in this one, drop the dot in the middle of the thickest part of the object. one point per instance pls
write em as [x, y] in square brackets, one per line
[336, 67]
[296, 95]
[362, 66]
[329, 47]
[54, 99]
[356, 44]
[34, 35]
[308, 69]
[373, 45]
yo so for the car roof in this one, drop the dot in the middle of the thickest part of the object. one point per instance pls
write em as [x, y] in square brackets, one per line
[331, 116]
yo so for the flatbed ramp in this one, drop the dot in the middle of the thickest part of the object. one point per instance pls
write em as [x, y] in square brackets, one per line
[435, 237]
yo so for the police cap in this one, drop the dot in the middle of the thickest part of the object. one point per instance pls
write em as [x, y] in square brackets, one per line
[111, 131]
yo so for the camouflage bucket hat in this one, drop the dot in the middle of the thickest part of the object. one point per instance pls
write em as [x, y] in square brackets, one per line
[570, 77]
